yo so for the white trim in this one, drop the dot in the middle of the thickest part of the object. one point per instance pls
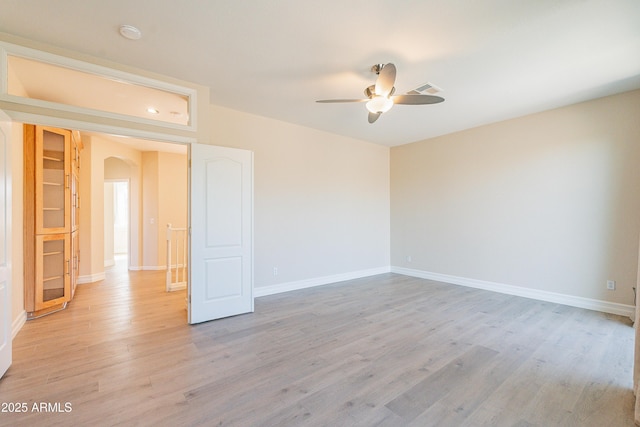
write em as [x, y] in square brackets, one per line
[574, 301]
[174, 266]
[147, 267]
[178, 286]
[6, 342]
[90, 278]
[25, 117]
[87, 67]
[18, 323]
[109, 263]
[153, 267]
[316, 281]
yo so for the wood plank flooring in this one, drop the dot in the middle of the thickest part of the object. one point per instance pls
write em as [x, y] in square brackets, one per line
[389, 350]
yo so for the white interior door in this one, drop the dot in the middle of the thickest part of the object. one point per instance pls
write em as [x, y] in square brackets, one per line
[221, 223]
[5, 244]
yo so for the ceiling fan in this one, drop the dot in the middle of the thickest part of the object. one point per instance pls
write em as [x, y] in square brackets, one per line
[380, 96]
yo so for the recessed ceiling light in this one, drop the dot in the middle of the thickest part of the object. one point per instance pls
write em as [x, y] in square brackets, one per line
[152, 110]
[130, 32]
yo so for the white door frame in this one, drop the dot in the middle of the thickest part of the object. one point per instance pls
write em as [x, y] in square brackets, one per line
[6, 302]
[89, 126]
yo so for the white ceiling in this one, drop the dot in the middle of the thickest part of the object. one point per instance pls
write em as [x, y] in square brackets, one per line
[495, 59]
[141, 144]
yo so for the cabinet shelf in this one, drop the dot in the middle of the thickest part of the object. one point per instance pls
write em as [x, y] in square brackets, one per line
[52, 253]
[53, 159]
[59, 184]
[51, 209]
[48, 279]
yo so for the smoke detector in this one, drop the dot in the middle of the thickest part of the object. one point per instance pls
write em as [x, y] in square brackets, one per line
[130, 32]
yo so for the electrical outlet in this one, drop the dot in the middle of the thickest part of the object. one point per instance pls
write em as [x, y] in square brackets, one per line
[275, 271]
[409, 258]
[611, 285]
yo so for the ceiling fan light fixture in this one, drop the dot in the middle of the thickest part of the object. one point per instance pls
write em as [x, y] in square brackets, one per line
[380, 96]
[379, 104]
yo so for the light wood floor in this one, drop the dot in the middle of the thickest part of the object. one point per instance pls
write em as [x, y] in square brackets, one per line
[383, 351]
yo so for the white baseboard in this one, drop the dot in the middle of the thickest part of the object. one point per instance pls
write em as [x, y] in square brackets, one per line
[18, 323]
[574, 301]
[317, 281]
[177, 286]
[147, 267]
[109, 263]
[90, 278]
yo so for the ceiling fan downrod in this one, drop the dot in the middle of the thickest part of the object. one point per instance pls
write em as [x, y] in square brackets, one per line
[376, 68]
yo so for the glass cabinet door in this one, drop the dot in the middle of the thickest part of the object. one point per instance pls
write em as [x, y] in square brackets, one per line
[53, 270]
[53, 181]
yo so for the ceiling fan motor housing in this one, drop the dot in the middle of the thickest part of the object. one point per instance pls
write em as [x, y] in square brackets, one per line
[370, 92]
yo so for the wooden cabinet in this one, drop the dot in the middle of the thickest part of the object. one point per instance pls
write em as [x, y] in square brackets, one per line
[51, 258]
[75, 260]
[76, 147]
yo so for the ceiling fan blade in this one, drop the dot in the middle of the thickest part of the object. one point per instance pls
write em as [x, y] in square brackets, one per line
[411, 99]
[373, 117]
[327, 101]
[386, 80]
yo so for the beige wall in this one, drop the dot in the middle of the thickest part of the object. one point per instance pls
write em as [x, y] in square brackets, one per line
[321, 201]
[116, 169]
[549, 201]
[164, 188]
[150, 206]
[109, 259]
[172, 197]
